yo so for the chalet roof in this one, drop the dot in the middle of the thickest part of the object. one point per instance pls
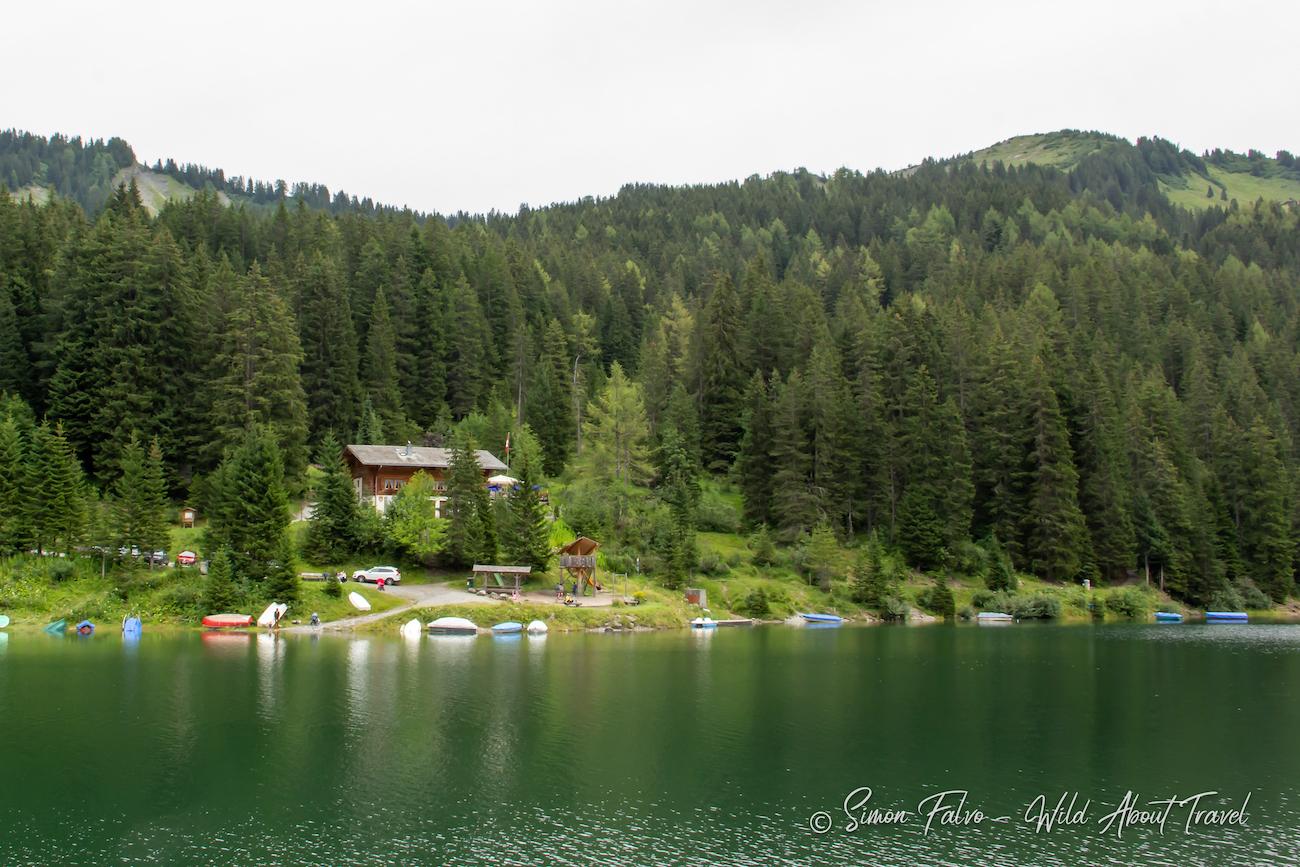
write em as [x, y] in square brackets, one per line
[416, 457]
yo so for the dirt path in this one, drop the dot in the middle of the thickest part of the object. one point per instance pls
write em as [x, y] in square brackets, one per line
[417, 596]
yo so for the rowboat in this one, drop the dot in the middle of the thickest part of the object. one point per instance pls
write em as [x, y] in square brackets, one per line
[57, 627]
[358, 601]
[4, 620]
[1226, 617]
[453, 626]
[704, 623]
[131, 627]
[271, 616]
[1168, 617]
[993, 617]
[411, 628]
[537, 627]
[509, 627]
[85, 627]
[227, 621]
[822, 618]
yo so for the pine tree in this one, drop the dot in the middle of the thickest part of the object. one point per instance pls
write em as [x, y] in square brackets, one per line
[920, 530]
[329, 342]
[258, 382]
[527, 539]
[221, 594]
[379, 362]
[1103, 495]
[56, 505]
[753, 463]
[14, 372]
[334, 532]
[370, 430]
[1266, 521]
[281, 582]
[14, 532]
[139, 499]
[869, 580]
[1054, 531]
[466, 498]
[249, 509]
[550, 399]
[721, 378]
[794, 506]
[428, 394]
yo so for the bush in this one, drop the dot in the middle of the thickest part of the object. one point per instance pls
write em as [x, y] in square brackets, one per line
[712, 564]
[937, 599]
[894, 608]
[1226, 599]
[1036, 606]
[765, 553]
[61, 570]
[968, 559]
[1252, 596]
[1128, 602]
[755, 604]
[333, 589]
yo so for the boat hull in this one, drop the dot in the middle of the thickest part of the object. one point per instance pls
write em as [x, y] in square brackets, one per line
[227, 621]
[822, 618]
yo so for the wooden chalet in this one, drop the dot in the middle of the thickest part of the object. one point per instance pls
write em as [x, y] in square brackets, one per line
[379, 472]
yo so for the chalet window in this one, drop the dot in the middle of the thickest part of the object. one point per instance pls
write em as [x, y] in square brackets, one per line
[393, 484]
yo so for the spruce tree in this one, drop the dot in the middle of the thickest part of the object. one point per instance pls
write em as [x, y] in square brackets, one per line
[526, 541]
[329, 342]
[56, 505]
[139, 499]
[722, 380]
[428, 393]
[753, 463]
[221, 594]
[281, 582]
[14, 372]
[550, 399]
[1054, 528]
[334, 532]
[14, 532]
[249, 512]
[466, 498]
[379, 363]
[258, 383]
[794, 505]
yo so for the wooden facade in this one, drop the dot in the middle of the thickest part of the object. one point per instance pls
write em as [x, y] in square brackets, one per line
[379, 472]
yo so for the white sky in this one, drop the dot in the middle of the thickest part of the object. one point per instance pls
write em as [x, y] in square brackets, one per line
[477, 105]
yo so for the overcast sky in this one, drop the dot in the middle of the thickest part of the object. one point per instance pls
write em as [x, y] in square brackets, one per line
[480, 105]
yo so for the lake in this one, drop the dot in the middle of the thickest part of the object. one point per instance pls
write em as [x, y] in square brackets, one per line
[671, 747]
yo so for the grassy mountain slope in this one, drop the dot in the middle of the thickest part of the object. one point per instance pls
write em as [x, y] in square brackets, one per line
[1062, 149]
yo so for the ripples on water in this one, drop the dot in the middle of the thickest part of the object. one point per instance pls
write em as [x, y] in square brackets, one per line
[646, 749]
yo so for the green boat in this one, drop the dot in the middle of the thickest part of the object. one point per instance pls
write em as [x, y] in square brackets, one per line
[57, 627]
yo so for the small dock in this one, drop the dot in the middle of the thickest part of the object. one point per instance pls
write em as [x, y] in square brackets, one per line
[739, 621]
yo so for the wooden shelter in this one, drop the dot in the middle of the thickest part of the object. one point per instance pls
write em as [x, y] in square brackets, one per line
[578, 558]
[188, 516]
[497, 573]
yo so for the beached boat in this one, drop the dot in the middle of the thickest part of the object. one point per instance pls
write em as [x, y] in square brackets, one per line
[508, 627]
[537, 627]
[358, 601]
[227, 621]
[704, 623]
[993, 617]
[1168, 617]
[57, 627]
[4, 620]
[412, 628]
[453, 626]
[271, 616]
[822, 618]
[85, 627]
[1226, 617]
[131, 627]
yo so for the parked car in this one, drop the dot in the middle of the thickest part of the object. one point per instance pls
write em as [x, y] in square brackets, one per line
[374, 573]
[186, 558]
[158, 557]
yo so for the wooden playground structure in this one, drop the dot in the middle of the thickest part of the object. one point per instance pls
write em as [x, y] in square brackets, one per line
[578, 558]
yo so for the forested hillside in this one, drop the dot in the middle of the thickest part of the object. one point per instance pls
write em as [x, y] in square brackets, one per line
[1064, 365]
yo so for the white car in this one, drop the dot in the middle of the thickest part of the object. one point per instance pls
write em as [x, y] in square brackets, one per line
[374, 573]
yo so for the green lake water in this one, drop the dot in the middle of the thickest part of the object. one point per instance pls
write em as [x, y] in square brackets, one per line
[674, 747]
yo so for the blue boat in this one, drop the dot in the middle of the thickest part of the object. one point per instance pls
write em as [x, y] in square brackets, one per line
[822, 618]
[1226, 617]
[1168, 617]
[85, 627]
[57, 627]
[508, 628]
[131, 627]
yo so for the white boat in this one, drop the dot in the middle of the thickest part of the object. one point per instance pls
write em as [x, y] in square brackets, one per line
[412, 628]
[537, 627]
[453, 626]
[358, 601]
[704, 623]
[993, 617]
[272, 614]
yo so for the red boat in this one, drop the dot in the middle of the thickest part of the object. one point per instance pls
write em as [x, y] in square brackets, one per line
[227, 621]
